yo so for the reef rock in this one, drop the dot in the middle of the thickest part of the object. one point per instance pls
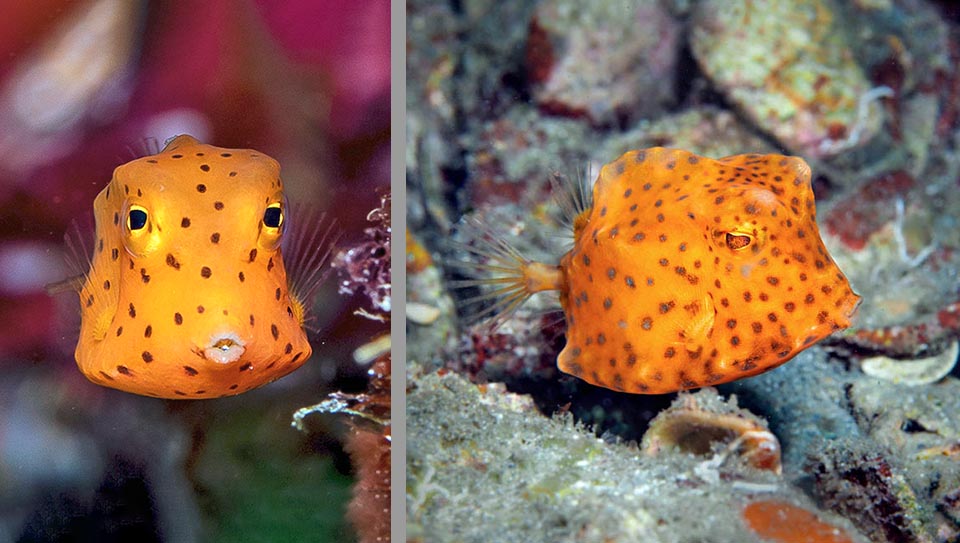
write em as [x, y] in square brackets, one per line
[787, 66]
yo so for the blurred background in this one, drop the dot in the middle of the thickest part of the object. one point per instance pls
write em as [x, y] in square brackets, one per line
[84, 87]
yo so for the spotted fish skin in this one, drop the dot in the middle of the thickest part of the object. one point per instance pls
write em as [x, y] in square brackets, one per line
[187, 295]
[689, 271]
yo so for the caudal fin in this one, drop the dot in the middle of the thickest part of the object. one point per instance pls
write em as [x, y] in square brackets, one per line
[505, 277]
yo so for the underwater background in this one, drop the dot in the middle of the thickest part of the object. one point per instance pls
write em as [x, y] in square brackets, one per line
[88, 85]
[855, 439]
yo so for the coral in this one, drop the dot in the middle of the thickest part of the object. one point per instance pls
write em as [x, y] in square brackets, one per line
[704, 130]
[366, 265]
[860, 214]
[792, 75]
[369, 511]
[927, 335]
[514, 154]
[368, 442]
[587, 60]
[523, 347]
[369, 448]
[868, 490]
[785, 522]
[919, 432]
[431, 314]
[484, 465]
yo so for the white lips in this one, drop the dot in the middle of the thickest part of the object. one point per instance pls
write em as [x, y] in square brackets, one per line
[224, 348]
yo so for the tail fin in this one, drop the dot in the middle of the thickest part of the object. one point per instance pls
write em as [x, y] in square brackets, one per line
[497, 264]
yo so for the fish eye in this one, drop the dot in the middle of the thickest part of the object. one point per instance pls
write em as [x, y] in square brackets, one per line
[738, 242]
[141, 233]
[136, 218]
[273, 216]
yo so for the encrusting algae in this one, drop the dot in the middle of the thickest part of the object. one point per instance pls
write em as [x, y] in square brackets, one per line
[187, 294]
[686, 272]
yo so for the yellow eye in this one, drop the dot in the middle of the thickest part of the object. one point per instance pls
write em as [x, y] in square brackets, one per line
[272, 226]
[136, 218]
[738, 242]
[273, 216]
[140, 235]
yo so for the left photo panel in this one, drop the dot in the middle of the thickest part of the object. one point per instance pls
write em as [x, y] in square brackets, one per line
[195, 271]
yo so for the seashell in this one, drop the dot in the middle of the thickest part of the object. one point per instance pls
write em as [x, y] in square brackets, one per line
[920, 371]
[697, 423]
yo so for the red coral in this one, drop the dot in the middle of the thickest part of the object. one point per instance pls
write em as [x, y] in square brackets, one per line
[784, 522]
[366, 265]
[928, 335]
[369, 511]
[860, 214]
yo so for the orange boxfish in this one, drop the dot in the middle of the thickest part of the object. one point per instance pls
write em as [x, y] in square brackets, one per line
[187, 294]
[686, 272]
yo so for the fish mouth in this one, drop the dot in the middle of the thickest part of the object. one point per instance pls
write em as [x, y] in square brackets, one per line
[224, 349]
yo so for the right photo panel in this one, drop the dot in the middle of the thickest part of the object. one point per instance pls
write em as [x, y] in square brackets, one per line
[682, 271]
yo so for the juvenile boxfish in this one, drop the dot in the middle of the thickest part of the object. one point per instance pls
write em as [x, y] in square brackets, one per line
[187, 294]
[687, 272]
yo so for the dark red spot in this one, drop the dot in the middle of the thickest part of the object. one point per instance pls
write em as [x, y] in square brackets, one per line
[855, 218]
